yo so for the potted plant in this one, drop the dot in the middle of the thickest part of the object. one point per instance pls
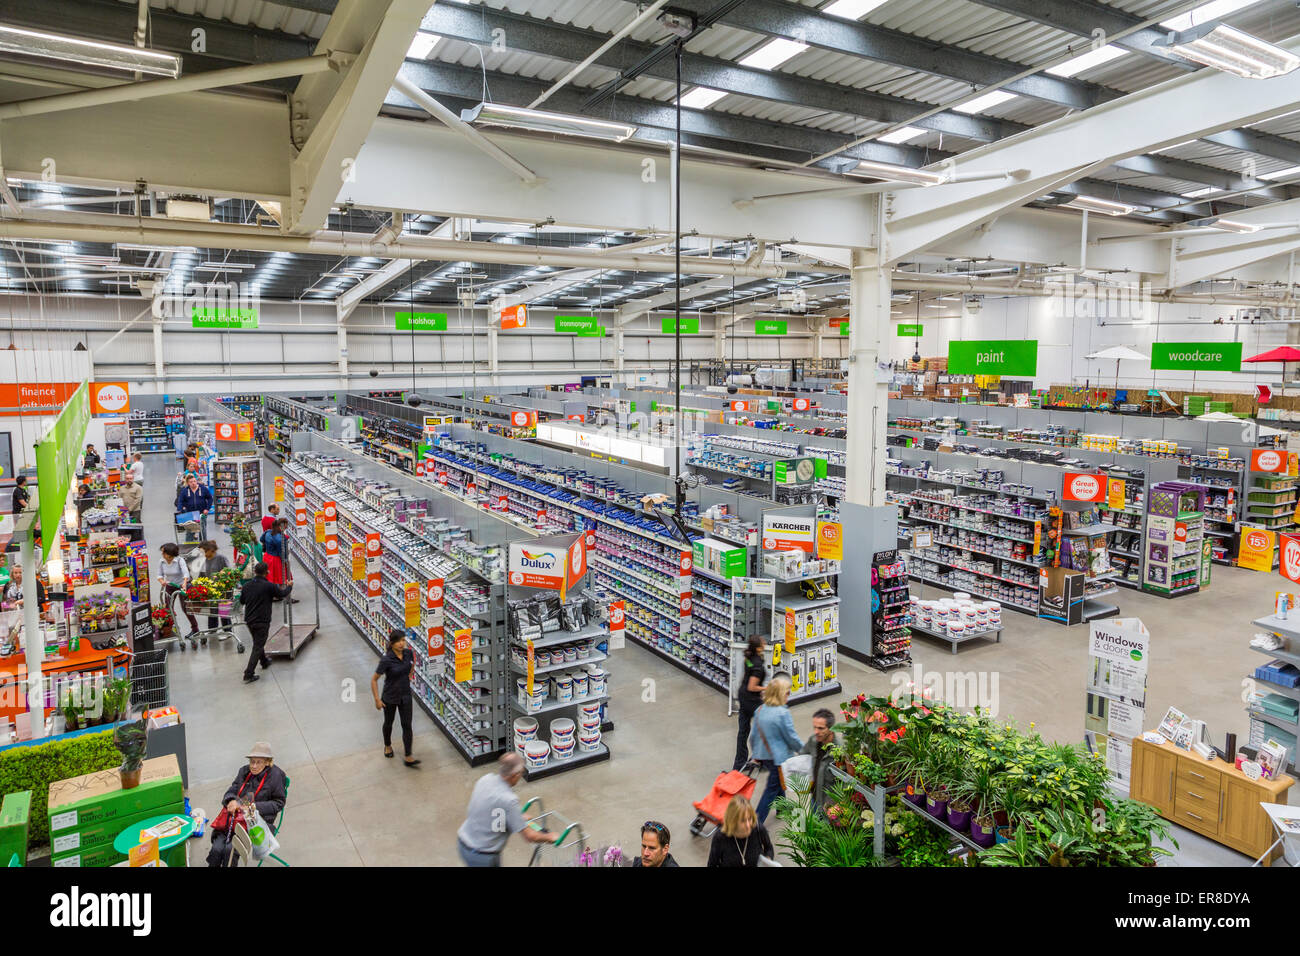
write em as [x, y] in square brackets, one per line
[938, 771]
[979, 788]
[116, 697]
[133, 742]
[71, 712]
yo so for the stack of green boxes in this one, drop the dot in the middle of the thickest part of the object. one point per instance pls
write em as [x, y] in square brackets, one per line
[13, 827]
[720, 558]
[88, 812]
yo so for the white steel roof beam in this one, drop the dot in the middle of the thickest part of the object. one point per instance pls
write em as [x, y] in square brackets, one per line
[1206, 255]
[351, 298]
[1064, 150]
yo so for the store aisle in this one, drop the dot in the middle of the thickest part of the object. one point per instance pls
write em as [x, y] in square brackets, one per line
[348, 805]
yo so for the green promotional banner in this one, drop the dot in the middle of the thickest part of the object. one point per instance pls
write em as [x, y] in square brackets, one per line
[690, 325]
[201, 318]
[421, 321]
[577, 324]
[769, 327]
[912, 331]
[1197, 356]
[844, 329]
[993, 357]
[56, 463]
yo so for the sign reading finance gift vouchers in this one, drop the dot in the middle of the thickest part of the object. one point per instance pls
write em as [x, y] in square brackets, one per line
[993, 357]
[1197, 356]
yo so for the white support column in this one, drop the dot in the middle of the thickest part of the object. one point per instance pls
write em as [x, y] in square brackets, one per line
[35, 644]
[158, 350]
[343, 355]
[719, 340]
[618, 355]
[868, 401]
[815, 324]
[494, 353]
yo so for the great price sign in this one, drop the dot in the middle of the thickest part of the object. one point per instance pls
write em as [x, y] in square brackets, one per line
[1266, 459]
[1083, 487]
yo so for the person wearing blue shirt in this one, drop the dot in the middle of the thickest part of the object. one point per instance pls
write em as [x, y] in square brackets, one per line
[195, 497]
[773, 740]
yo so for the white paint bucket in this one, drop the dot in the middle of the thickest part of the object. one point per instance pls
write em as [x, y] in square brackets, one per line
[563, 687]
[589, 714]
[580, 684]
[561, 729]
[536, 753]
[562, 749]
[589, 740]
[596, 682]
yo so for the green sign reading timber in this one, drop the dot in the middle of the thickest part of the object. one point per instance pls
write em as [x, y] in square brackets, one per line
[56, 463]
[421, 321]
[1197, 356]
[690, 325]
[577, 324]
[769, 327]
[912, 331]
[993, 357]
[202, 318]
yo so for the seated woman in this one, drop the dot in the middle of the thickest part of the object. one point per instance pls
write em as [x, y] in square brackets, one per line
[261, 784]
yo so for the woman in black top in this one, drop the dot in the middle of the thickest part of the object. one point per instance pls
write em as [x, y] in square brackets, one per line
[395, 667]
[753, 678]
[741, 839]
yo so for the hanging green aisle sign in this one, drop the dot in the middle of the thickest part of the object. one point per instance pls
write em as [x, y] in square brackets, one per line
[993, 357]
[912, 331]
[769, 327]
[201, 318]
[597, 332]
[577, 324]
[1197, 356]
[844, 329]
[421, 321]
[56, 463]
[690, 325]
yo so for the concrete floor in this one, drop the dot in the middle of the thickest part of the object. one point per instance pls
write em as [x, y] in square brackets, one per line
[349, 805]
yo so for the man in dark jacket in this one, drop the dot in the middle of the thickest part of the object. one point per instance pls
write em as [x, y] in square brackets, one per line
[261, 784]
[257, 596]
[819, 745]
[654, 846]
[195, 497]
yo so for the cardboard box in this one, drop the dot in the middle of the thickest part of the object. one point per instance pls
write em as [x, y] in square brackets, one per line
[102, 855]
[13, 826]
[94, 835]
[94, 797]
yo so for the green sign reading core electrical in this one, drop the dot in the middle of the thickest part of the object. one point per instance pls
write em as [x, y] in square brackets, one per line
[1197, 356]
[912, 331]
[993, 357]
[769, 327]
[421, 321]
[690, 325]
[577, 324]
[202, 318]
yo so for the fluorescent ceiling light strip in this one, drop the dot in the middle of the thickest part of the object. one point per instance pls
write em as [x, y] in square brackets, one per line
[1093, 204]
[57, 46]
[1233, 225]
[906, 174]
[518, 117]
[1232, 51]
[773, 53]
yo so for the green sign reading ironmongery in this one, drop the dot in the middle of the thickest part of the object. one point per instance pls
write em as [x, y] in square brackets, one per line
[420, 321]
[769, 327]
[577, 324]
[912, 331]
[690, 325]
[217, 318]
[1197, 356]
[56, 463]
[993, 357]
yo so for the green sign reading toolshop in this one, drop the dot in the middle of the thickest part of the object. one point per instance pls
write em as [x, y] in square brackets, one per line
[690, 325]
[421, 321]
[912, 331]
[1197, 356]
[56, 463]
[769, 327]
[993, 357]
[215, 318]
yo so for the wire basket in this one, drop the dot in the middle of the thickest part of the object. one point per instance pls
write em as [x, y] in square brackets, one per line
[150, 688]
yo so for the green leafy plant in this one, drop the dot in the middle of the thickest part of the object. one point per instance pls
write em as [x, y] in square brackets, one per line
[35, 767]
[812, 838]
[71, 711]
[132, 740]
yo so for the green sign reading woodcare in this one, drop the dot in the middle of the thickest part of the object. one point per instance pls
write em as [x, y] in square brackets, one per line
[993, 357]
[1197, 356]
[690, 325]
[769, 327]
[421, 321]
[913, 331]
[216, 318]
[577, 324]
[56, 463]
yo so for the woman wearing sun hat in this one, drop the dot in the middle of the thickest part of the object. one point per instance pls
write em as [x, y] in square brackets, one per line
[259, 783]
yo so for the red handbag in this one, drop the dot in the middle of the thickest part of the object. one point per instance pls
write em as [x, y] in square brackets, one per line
[223, 820]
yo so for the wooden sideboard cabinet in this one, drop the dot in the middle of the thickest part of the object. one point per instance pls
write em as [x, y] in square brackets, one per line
[1210, 797]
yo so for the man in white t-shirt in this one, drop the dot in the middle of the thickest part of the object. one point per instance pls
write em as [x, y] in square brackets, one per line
[137, 469]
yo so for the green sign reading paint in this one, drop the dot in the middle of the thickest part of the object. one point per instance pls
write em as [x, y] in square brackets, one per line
[421, 321]
[769, 327]
[912, 331]
[690, 325]
[577, 324]
[993, 357]
[215, 318]
[1197, 356]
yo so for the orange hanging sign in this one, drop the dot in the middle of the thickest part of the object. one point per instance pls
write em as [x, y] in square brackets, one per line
[279, 488]
[411, 604]
[358, 562]
[464, 660]
[515, 317]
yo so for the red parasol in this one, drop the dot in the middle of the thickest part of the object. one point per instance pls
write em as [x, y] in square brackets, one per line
[1283, 353]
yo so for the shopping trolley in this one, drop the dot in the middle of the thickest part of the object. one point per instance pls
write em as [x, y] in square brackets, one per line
[187, 532]
[227, 608]
[728, 785]
[570, 849]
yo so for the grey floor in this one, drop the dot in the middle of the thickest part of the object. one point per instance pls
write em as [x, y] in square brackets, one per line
[351, 806]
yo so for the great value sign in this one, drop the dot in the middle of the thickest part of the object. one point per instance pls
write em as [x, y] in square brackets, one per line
[1197, 356]
[993, 357]
[788, 533]
[523, 419]
[1083, 487]
[1267, 459]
